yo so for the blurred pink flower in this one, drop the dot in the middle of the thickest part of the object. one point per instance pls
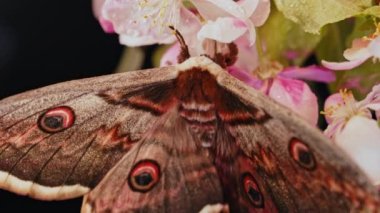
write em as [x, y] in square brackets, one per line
[362, 49]
[228, 20]
[352, 128]
[171, 55]
[282, 85]
[106, 25]
[146, 22]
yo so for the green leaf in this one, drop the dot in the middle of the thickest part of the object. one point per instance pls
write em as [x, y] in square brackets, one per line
[332, 43]
[314, 14]
[338, 37]
[364, 26]
[373, 11]
[282, 37]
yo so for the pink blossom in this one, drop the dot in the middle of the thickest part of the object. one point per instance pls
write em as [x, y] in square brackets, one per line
[281, 85]
[372, 101]
[146, 22]
[352, 128]
[296, 95]
[228, 20]
[170, 56]
[362, 49]
[341, 107]
[106, 25]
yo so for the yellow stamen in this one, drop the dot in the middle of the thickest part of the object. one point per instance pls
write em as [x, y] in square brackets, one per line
[346, 109]
[162, 13]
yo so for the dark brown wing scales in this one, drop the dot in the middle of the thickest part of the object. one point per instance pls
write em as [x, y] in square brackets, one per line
[155, 98]
[233, 111]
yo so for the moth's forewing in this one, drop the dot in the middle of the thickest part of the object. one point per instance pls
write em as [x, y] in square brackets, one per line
[59, 141]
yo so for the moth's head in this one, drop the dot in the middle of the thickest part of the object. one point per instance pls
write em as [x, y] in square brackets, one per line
[201, 63]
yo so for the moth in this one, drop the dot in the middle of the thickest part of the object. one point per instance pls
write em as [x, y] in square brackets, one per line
[173, 139]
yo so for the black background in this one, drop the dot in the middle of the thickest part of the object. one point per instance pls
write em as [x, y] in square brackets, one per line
[44, 42]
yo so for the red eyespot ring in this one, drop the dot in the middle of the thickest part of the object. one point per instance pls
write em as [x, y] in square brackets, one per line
[56, 119]
[144, 176]
[301, 153]
[252, 190]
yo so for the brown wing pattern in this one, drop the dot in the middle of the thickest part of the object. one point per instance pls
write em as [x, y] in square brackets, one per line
[59, 141]
[300, 168]
[165, 172]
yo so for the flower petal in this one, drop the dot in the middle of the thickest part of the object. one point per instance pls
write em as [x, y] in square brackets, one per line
[226, 6]
[311, 73]
[332, 102]
[296, 95]
[372, 100]
[134, 41]
[142, 24]
[358, 50]
[346, 65]
[251, 31]
[244, 76]
[250, 6]
[374, 47]
[224, 30]
[261, 13]
[248, 58]
[334, 127]
[170, 57]
[189, 25]
[360, 139]
[208, 10]
[106, 25]
[97, 7]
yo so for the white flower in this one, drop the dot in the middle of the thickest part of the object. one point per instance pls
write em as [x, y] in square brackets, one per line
[228, 20]
[353, 129]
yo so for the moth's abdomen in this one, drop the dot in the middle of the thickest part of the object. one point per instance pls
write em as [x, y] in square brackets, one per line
[202, 121]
